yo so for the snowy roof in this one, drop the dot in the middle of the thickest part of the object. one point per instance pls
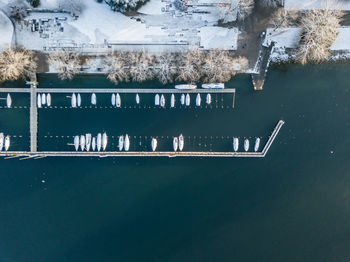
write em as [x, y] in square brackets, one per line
[343, 40]
[218, 37]
[6, 32]
[314, 4]
[283, 37]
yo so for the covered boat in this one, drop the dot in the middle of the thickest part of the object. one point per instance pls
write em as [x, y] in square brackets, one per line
[172, 100]
[76, 143]
[93, 144]
[208, 100]
[162, 101]
[48, 99]
[118, 101]
[8, 101]
[39, 101]
[104, 141]
[235, 144]
[99, 141]
[188, 100]
[257, 144]
[126, 143]
[154, 144]
[82, 142]
[214, 86]
[1, 141]
[78, 100]
[246, 145]
[181, 142]
[186, 87]
[74, 100]
[43, 99]
[137, 98]
[113, 99]
[7, 143]
[121, 143]
[175, 143]
[182, 99]
[198, 100]
[88, 141]
[93, 99]
[156, 100]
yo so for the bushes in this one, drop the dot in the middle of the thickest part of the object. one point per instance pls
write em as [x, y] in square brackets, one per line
[34, 3]
[66, 63]
[125, 5]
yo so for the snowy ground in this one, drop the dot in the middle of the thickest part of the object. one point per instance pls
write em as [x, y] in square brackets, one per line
[218, 37]
[315, 4]
[6, 31]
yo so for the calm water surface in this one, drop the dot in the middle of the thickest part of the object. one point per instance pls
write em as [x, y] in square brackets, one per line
[293, 205]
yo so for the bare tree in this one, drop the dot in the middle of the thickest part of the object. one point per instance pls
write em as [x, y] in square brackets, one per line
[75, 7]
[67, 63]
[118, 67]
[141, 68]
[190, 65]
[233, 9]
[320, 29]
[16, 63]
[270, 3]
[165, 68]
[284, 18]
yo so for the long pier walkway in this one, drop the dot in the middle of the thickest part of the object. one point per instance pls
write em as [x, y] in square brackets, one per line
[33, 119]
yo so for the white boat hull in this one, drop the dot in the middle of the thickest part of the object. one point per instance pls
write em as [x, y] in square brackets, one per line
[182, 99]
[188, 100]
[156, 100]
[93, 99]
[93, 144]
[43, 99]
[186, 87]
[162, 101]
[78, 100]
[48, 99]
[154, 144]
[175, 143]
[82, 143]
[74, 100]
[121, 143]
[8, 101]
[99, 142]
[113, 100]
[137, 98]
[257, 144]
[172, 100]
[7, 143]
[214, 86]
[235, 144]
[246, 145]
[76, 143]
[88, 141]
[126, 143]
[198, 100]
[1, 141]
[118, 101]
[104, 141]
[208, 100]
[39, 101]
[181, 142]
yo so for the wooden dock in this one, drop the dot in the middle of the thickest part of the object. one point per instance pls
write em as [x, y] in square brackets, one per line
[33, 119]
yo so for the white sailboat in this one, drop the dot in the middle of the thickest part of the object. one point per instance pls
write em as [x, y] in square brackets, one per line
[188, 100]
[208, 100]
[99, 142]
[8, 101]
[156, 100]
[82, 142]
[1, 141]
[78, 100]
[7, 143]
[88, 141]
[118, 101]
[175, 143]
[48, 99]
[257, 144]
[235, 144]
[76, 143]
[186, 87]
[137, 99]
[43, 99]
[113, 99]
[93, 99]
[214, 86]
[121, 143]
[172, 101]
[104, 141]
[74, 100]
[181, 142]
[246, 145]
[154, 144]
[126, 143]
[198, 100]
[182, 99]
[39, 101]
[162, 101]
[93, 144]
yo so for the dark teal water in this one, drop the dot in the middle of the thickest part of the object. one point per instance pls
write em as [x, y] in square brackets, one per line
[293, 205]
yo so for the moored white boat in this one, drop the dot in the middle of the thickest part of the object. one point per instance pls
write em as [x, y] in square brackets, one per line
[88, 141]
[172, 100]
[214, 86]
[113, 100]
[154, 144]
[182, 99]
[104, 141]
[93, 99]
[1, 141]
[93, 144]
[181, 142]
[121, 143]
[246, 145]
[8, 101]
[7, 143]
[48, 99]
[198, 100]
[208, 100]
[162, 101]
[137, 98]
[43, 99]
[186, 87]
[39, 101]
[76, 143]
[156, 100]
[78, 100]
[175, 143]
[257, 144]
[118, 101]
[82, 142]
[235, 144]
[99, 142]
[74, 100]
[126, 143]
[188, 99]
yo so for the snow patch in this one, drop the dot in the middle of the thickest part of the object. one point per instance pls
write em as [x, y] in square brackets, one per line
[218, 37]
[6, 32]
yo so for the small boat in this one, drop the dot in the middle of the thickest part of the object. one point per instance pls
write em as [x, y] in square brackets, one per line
[137, 99]
[154, 144]
[186, 87]
[172, 100]
[156, 100]
[39, 101]
[1, 141]
[162, 101]
[126, 143]
[76, 143]
[8, 101]
[175, 143]
[48, 99]
[118, 101]
[181, 142]
[99, 142]
[88, 141]
[43, 99]
[78, 100]
[257, 144]
[113, 99]
[208, 99]
[182, 99]
[246, 145]
[121, 143]
[7, 143]
[104, 141]
[93, 99]
[188, 100]
[214, 86]
[82, 142]
[235, 144]
[74, 100]
[93, 144]
[198, 100]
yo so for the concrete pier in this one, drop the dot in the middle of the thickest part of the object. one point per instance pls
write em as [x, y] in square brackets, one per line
[33, 119]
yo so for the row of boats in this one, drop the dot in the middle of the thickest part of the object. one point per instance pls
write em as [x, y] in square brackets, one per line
[85, 142]
[206, 86]
[246, 144]
[43, 99]
[159, 100]
[178, 143]
[4, 142]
